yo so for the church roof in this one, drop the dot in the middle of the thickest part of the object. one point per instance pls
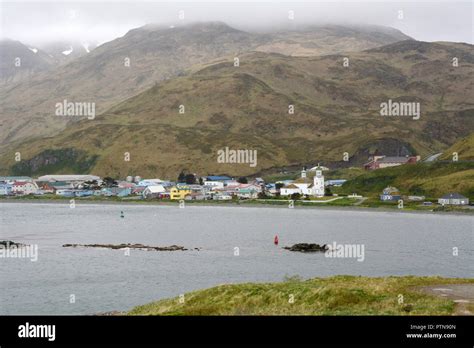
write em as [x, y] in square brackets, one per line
[318, 167]
[303, 180]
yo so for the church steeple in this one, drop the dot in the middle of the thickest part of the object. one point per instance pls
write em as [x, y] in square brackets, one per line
[319, 171]
[303, 172]
[318, 182]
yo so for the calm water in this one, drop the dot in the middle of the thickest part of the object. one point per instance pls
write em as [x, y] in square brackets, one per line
[105, 280]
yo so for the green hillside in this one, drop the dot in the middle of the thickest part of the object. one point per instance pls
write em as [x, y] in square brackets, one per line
[464, 149]
[428, 179]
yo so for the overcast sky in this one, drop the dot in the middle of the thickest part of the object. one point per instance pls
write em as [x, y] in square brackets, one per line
[36, 22]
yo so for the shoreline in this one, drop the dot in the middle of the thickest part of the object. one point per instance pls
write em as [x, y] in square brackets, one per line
[242, 204]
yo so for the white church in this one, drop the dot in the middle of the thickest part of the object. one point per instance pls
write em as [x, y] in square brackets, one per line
[304, 185]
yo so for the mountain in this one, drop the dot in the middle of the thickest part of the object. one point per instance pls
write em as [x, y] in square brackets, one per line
[330, 39]
[19, 61]
[156, 53]
[66, 51]
[337, 110]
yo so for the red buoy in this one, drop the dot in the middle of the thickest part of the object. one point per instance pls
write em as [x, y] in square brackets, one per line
[275, 240]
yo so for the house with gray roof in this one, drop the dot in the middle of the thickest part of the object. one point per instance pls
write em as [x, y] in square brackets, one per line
[453, 198]
[12, 179]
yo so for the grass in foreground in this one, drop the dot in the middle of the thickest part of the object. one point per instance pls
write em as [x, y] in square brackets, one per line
[338, 295]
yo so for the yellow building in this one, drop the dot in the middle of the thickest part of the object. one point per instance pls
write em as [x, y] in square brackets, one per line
[179, 192]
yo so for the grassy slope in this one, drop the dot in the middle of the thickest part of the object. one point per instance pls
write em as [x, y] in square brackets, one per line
[429, 179]
[339, 295]
[464, 148]
[247, 108]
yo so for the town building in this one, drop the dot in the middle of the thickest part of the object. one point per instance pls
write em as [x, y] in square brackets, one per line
[6, 189]
[335, 182]
[318, 183]
[115, 191]
[453, 198]
[65, 193]
[222, 196]
[138, 190]
[45, 187]
[24, 188]
[12, 179]
[270, 189]
[306, 186]
[196, 196]
[150, 182]
[301, 186]
[390, 193]
[214, 185]
[126, 184]
[289, 189]
[179, 192]
[153, 191]
[221, 178]
[248, 191]
[378, 162]
[83, 193]
[72, 178]
[58, 185]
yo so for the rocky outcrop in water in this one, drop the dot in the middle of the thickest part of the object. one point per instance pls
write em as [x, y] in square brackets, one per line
[307, 248]
[129, 246]
[9, 243]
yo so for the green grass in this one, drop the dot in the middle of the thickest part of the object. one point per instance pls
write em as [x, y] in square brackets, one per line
[343, 202]
[464, 149]
[428, 179]
[64, 160]
[338, 295]
[345, 173]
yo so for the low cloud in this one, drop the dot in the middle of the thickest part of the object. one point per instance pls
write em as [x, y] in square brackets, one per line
[104, 21]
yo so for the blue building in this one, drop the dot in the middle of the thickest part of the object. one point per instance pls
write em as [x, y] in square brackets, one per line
[5, 189]
[84, 193]
[65, 193]
[221, 178]
[390, 194]
[125, 192]
[115, 191]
